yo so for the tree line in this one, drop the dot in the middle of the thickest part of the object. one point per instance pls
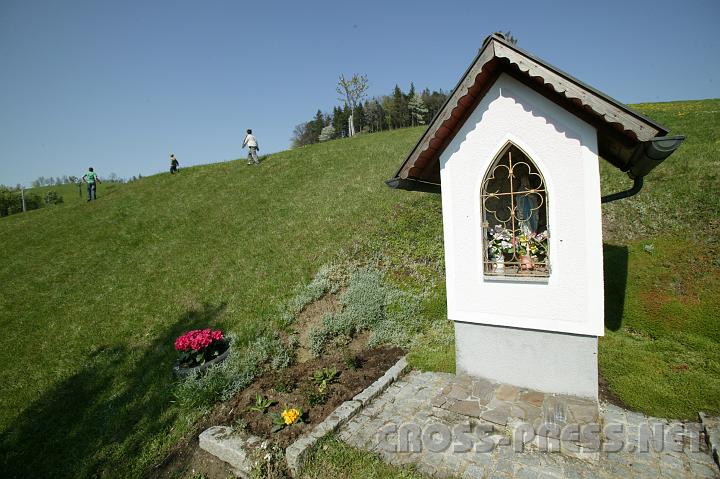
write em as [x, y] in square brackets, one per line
[13, 197]
[11, 200]
[387, 112]
[65, 180]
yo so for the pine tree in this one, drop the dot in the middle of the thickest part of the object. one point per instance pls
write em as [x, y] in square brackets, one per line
[316, 126]
[434, 101]
[388, 106]
[337, 121]
[399, 109]
[359, 117]
[374, 115]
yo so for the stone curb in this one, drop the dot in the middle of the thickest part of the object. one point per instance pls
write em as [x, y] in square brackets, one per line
[296, 453]
[231, 448]
[382, 383]
[712, 434]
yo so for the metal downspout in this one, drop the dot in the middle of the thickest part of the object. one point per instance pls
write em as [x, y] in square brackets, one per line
[636, 187]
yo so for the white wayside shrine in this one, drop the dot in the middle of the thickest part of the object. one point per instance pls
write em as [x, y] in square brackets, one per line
[515, 153]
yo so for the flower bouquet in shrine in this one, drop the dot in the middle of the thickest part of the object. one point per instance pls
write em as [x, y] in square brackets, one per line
[499, 241]
[531, 247]
[499, 244]
[200, 346]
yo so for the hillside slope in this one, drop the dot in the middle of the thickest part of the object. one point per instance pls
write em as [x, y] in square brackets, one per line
[93, 295]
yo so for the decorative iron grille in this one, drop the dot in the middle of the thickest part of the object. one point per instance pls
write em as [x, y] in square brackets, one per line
[514, 214]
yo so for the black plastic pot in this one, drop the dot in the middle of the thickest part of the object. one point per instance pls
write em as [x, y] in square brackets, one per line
[181, 371]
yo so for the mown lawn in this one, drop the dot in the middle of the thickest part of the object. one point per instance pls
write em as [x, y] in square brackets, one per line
[93, 295]
[72, 195]
[661, 352]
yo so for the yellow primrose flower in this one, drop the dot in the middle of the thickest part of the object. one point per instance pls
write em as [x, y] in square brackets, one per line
[290, 416]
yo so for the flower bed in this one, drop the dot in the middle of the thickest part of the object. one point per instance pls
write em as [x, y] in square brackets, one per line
[296, 388]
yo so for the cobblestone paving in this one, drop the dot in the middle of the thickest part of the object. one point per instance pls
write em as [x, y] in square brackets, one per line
[404, 427]
[500, 403]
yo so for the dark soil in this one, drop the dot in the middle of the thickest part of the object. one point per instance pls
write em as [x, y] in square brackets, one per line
[289, 387]
[293, 387]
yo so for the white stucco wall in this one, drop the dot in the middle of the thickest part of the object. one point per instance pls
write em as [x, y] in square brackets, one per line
[564, 148]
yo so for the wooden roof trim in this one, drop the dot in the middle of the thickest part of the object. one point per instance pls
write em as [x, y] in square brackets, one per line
[611, 113]
[468, 93]
[461, 91]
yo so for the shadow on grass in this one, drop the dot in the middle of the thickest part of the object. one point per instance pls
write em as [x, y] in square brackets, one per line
[97, 422]
[615, 266]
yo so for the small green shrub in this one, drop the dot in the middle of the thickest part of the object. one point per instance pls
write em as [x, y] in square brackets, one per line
[370, 304]
[240, 424]
[324, 376]
[284, 385]
[317, 339]
[316, 397]
[306, 294]
[53, 198]
[293, 341]
[262, 404]
[352, 361]
[239, 370]
[200, 391]
[282, 359]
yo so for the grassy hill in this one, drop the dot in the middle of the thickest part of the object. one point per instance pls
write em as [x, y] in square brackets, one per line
[93, 295]
[70, 193]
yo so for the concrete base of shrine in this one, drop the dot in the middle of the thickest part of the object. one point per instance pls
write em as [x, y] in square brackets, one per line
[545, 361]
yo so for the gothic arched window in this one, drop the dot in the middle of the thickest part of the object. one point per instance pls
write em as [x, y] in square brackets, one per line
[514, 217]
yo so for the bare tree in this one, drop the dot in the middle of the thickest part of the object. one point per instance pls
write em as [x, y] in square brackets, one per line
[352, 92]
[303, 135]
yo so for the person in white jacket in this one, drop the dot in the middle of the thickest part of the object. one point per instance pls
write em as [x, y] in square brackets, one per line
[252, 145]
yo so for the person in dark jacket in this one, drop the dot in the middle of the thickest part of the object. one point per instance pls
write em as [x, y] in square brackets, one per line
[174, 164]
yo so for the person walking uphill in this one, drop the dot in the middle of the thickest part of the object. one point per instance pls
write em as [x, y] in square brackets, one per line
[174, 163]
[91, 178]
[252, 145]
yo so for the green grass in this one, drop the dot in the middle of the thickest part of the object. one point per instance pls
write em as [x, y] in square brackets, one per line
[333, 458]
[93, 295]
[71, 194]
[661, 352]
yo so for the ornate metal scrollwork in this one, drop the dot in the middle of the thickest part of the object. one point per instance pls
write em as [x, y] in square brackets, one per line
[515, 219]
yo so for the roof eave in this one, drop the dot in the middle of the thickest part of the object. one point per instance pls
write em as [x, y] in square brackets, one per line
[410, 184]
[633, 133]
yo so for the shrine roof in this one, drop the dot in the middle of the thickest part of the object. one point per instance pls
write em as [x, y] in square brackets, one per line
[627, 139]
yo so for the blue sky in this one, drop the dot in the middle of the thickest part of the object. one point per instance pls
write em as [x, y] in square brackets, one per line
[120, 85]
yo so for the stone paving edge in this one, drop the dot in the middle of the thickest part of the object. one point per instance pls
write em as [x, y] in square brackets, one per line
[221, 443]
[230, 448]
[711, 425]
[296, 453]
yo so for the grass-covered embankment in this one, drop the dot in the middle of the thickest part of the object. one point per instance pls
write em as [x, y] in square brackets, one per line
[94, 294]
[661, 351]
